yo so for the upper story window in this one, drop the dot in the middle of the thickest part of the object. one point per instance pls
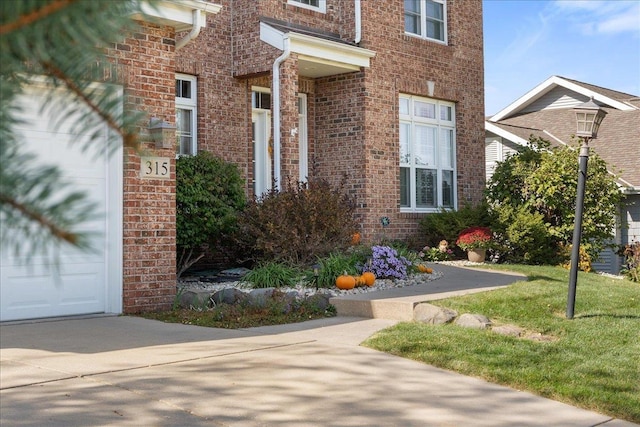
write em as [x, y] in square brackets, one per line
[186, 114]
[317, 5]
[427, 154]
[426, 19]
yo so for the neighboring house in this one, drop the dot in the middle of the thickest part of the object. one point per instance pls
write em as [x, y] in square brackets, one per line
[546, 112]
[385, 93]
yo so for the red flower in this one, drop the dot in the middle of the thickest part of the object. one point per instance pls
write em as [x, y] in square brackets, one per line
[474, 238]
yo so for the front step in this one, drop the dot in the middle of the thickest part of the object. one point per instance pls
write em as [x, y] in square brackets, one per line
[374, 309]
[381, 305]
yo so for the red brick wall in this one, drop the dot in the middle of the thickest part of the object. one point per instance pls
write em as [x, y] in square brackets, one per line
[403, 64]
[224, 108]
[147, 60]
[352, 118]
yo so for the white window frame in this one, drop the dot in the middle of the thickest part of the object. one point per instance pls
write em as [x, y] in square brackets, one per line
[423, 21]
[189, 104]
[262, 142]
[303, 144]
[442, 156]
[322, 5]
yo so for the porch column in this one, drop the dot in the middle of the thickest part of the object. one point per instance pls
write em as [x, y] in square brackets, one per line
[289, 121]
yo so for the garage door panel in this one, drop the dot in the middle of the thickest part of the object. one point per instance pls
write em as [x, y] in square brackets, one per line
[80, 282]
[42, 291]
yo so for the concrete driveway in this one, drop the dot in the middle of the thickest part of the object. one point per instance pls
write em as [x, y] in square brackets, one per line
[130, 371]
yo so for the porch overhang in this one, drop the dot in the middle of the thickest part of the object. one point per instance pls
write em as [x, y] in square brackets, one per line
[318, 57]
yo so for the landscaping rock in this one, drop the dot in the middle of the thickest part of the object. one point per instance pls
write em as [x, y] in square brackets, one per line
[321, 301]
[229, 296]
[433, 315]
[477, 321]
[260, 297]
[510, 330]
[195, 298]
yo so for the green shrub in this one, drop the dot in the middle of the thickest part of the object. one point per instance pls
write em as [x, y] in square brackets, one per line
[298, 224]
[273, 275]
[447, 224]
[523, 237]
[543, 180]
[209, 195]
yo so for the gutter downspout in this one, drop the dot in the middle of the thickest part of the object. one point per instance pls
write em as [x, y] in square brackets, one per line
[358, 19]
[275, 87]
[195, 30]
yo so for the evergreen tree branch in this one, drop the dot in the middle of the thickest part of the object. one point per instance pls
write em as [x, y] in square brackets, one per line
[38, 218]
[129, 138]
[28, 19]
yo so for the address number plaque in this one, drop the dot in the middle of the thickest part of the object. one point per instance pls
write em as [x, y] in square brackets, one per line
[155, 167]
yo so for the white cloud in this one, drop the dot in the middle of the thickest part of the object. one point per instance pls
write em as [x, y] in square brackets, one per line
[624, 22]
[593, 17]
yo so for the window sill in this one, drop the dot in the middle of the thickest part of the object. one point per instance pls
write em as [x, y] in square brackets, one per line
[412, 37]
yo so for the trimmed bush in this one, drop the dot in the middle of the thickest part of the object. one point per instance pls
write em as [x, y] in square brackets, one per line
[209, 195]
[523, 236]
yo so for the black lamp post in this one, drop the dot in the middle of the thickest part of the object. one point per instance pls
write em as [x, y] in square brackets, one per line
[588, 118]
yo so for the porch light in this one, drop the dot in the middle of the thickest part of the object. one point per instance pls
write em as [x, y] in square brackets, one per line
[588, 118]
[162, 133]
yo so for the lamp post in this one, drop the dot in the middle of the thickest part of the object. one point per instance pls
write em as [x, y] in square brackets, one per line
[588, 118]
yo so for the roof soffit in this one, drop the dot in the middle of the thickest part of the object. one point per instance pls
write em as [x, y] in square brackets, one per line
[548, 85]
[176, 14]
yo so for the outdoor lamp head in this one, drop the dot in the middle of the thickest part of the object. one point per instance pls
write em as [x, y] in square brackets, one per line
[589, 115]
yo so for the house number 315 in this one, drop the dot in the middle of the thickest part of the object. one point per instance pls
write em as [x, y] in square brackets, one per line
[155, 167]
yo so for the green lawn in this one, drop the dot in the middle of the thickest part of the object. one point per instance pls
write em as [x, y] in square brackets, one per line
[592, 361]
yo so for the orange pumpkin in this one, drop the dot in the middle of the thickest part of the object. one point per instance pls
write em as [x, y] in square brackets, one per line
[345, 281]
[355, 238]
[369, 278]
[424, 269]
[359, 281]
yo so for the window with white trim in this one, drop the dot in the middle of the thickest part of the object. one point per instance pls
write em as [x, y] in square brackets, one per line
[427, 154]
[317, 5]
[186, 114]
[426, 19]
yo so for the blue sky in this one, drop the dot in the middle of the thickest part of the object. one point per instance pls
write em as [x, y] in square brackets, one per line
[527, 41]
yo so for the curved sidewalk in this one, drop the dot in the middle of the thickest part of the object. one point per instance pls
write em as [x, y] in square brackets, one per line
[123, 371]
[398, 303]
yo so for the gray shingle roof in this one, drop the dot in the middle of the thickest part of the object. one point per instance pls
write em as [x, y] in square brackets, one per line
[618, 140]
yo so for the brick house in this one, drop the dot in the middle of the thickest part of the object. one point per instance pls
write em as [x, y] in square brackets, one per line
[388, 94]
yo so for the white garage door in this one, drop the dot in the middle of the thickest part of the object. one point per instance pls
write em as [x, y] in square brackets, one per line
[80, 282]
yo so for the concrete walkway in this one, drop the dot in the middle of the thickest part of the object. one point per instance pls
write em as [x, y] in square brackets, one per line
[123, 371]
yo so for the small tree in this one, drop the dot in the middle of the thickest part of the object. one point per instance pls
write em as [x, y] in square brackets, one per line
[543, 180]
[209, 195]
